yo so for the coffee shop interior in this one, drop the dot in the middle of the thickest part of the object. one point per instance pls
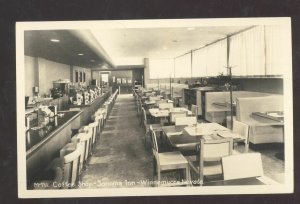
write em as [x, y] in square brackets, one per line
[190, 105]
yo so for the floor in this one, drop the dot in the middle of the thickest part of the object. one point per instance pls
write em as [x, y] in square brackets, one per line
[120, 158]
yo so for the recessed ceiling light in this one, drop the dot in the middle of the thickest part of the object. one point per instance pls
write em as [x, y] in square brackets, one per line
[54, 40]
[80, 54]
[191, 28]
[165, 48]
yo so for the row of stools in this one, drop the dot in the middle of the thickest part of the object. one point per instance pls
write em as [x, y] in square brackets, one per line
[65, 171]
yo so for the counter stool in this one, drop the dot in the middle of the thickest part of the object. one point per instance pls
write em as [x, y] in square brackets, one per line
[98, 120]
[84, 140]
[71, 167]
[93, 127]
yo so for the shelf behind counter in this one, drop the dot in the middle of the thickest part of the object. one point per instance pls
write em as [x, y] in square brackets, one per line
[89, 109]
[39, 155]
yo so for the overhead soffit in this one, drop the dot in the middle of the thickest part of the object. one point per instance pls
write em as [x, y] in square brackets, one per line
[37, 44]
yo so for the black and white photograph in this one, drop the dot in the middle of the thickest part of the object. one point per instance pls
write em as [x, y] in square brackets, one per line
[154, 107]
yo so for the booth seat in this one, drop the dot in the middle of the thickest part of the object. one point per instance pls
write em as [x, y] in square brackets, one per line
[260, 131]
[165, 88]
[216, 113]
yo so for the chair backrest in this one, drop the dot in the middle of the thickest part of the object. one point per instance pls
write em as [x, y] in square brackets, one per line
[242, 166]
[99, 120]
[165, 105]
[241, 129]
[93, 126]
[144, 117]
[71, 166]
[186, 121]
[177, 114]
[161, 101]
[212, 151]
[154, 143]
[194, 110]
[154, 98]
[68, 148]
[86, 141]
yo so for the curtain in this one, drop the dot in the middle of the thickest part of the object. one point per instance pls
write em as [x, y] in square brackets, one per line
[278, 49]
[183, 66]
[161, 68]
[247, 53]
[216, 56]
[199, 63]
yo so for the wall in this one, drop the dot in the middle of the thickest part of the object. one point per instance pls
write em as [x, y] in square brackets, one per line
[124, 88]
[31, 75]
[267, 85]
[138, 75]
[88, 74]
[50, 71]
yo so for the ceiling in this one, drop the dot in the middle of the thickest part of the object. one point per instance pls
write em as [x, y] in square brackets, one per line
[160, 42]
[37, 44]
[120, 46]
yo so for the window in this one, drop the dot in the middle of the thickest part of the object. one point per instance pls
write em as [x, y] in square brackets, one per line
[246, 52]
[278, 49]
[161, 68]
[183, 66]
[199, 63]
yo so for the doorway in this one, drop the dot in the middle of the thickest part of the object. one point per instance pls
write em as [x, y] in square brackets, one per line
[104, 80]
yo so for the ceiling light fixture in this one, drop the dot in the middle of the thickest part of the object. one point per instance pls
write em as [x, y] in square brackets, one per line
[165, 48]
[54, 40]
[80, 54]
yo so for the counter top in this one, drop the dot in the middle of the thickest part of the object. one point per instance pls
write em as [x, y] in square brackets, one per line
[37, 136]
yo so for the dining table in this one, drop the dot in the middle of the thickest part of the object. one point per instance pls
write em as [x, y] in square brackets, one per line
[163, 114]
[183, 137]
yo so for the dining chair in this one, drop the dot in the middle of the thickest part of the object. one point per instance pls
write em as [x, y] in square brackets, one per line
[164, 106]
[194, 110]
[177, 114]
[241, 129]
[209, 155]
[154, 98]
[167, 161]
[186, 121]
[242, 166]
[156, 127]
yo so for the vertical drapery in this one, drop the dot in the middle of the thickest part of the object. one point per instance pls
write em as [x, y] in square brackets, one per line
[161, 68]
[210, 60]
[199, 63]
[247, 52]
[183, 66]
[278, 49]
[216, 56]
